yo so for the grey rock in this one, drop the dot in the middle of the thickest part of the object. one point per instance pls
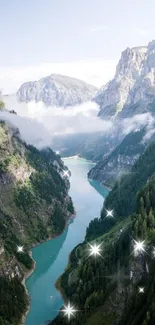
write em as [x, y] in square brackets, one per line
[56, 90]
[133, 83]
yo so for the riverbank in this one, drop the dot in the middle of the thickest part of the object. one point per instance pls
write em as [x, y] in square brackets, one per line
[58, 285]
[47, 296]
[79, 158]
[101, 184]
[29, 273]
[23, 283]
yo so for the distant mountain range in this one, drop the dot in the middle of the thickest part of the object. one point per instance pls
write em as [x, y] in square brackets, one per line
[56, 90]
[133, 86]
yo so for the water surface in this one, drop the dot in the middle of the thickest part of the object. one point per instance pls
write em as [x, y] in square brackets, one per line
[52, 256]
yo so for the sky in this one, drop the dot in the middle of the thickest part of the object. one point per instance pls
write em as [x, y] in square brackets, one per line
[82, 39]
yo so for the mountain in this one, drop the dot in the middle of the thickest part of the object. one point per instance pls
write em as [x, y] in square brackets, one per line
[133, 86]
[56, 90]
[112, 165]
[34, 206]
[117, 286]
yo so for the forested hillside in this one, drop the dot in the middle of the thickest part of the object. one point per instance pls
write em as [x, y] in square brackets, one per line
[34, 206]
[122, 198]
[117, 286]
[120, 160]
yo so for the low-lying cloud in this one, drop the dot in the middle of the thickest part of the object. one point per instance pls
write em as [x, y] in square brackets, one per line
[38, 124]
[31, 131]
[137, 122]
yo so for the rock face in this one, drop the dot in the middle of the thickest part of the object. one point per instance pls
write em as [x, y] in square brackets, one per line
[133, 83]
[56, 90]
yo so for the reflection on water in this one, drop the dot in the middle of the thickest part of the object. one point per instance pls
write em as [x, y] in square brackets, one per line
[52, 257]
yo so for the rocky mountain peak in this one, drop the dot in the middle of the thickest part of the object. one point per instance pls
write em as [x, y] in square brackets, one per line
[134, 82]
[56, 90]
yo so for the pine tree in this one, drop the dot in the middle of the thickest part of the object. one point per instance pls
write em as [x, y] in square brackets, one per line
[148, 203]
[141, 208]
[151, 219]
[144, 229]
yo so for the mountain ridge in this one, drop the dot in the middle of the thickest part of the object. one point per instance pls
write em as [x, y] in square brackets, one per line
[134, 82]
[56, 90]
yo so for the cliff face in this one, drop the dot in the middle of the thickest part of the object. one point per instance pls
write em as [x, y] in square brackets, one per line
[34, 206]
[134, 82]
[56, 90]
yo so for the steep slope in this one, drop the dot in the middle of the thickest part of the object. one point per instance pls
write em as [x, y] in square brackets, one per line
[107, 290]
[56, 90]
[121, 159]
[34, 206]
[133, 86]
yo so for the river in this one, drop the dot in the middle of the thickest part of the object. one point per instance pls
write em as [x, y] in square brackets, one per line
[52, 256]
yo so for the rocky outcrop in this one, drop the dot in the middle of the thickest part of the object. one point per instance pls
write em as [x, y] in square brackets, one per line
[133, 83]
[56, 90]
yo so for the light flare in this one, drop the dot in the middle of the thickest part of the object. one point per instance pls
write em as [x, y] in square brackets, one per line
[109, 213]
[66, 173]
[69, 311]
[139, 247]
[95, 250]
[141, 289]
[20, 249]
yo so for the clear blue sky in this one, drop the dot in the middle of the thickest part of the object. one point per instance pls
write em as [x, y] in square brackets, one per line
[35, 32]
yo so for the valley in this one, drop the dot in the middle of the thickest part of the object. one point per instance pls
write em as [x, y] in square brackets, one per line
[77, 207]
[52, 257]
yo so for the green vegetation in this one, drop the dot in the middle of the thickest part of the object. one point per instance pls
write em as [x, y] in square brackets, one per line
[103, 289]
[2, 105]
[34, 205]
[120, 159]
[13, 301]
[122, 198]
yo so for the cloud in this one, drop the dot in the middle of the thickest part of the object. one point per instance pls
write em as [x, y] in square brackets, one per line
[100, 28]
[148, 135]
[31, 131]
[137, 122]
[39, 125]
[94, 71]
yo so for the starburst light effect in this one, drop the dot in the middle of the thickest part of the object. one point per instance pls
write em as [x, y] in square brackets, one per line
[139, 247]
[66, 173]
[69, 311]
[95, 250]
[141, 289]
[57, 152]
[109, 213]
[20, 249]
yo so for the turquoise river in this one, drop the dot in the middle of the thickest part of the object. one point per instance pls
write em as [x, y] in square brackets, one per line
[52, 256]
